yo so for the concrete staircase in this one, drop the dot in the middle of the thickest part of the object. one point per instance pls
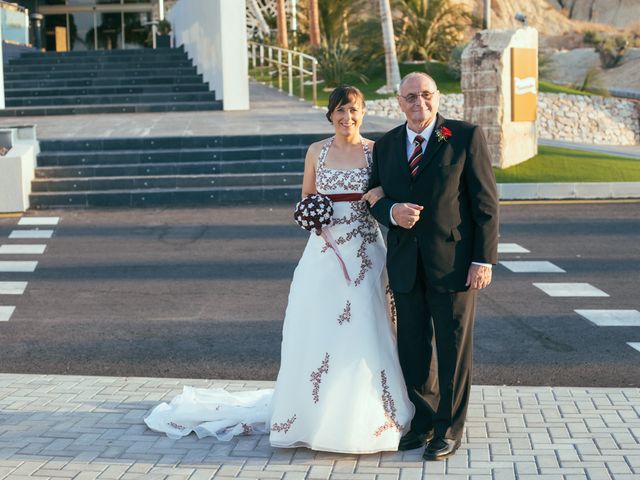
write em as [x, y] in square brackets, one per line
[105, 81]
[170, 171]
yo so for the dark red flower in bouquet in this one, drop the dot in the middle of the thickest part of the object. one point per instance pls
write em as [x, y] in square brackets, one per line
[313, 212]
[443, 134]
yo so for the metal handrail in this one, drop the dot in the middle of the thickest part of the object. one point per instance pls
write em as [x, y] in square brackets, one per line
[263, 56]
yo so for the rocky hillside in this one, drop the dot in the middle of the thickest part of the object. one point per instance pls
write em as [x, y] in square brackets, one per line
[618, 13]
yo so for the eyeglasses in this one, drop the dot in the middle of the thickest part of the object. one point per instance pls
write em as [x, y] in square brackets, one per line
[413, 97]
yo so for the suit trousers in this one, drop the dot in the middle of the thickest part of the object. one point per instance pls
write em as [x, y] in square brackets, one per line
[435, 346]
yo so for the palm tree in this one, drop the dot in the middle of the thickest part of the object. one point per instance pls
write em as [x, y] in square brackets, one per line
[390, 58]
[432, 28]
[335, 16]
[281, 16]
[314, 24]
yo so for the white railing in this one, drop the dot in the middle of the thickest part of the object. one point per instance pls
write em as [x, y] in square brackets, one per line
[267, 57]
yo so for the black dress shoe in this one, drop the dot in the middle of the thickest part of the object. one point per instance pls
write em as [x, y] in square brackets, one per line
[440, 448]
[414, 440]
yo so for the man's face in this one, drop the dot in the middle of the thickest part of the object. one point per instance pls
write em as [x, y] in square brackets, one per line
[419, 110]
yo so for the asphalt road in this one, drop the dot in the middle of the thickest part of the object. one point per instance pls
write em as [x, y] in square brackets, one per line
[201, 293]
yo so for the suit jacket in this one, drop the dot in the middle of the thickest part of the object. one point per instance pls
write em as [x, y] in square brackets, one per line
[456, 186]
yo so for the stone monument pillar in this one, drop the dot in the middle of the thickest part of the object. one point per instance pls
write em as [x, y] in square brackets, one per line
[500, 86]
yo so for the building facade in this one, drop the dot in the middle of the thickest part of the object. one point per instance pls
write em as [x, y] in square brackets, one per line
[70, 25]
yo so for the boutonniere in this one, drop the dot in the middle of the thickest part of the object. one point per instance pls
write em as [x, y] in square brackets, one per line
[443, 134]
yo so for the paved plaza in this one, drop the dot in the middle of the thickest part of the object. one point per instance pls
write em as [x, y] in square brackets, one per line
[84, 427]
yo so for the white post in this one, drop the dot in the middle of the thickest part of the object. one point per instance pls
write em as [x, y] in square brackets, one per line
[2, 104]
[214, 35]
[160, 9]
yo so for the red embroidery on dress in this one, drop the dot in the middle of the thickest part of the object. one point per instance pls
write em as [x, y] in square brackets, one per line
[393, 313]
[389, 408]
[346, 314]
[284, 426]
[316, 378]
[366, 228]
[176, 426]
[353, 180]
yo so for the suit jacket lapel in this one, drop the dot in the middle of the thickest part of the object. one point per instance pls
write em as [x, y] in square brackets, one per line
[400, 152]
[433, 145]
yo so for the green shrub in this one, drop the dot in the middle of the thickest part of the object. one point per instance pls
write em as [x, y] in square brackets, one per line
[591, 37]
[338, 65]
[611, 50]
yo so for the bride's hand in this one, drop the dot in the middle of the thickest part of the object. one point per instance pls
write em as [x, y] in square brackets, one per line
[373, 195]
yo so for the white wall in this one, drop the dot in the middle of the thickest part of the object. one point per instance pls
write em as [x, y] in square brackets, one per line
[214, 35]
[2, 102]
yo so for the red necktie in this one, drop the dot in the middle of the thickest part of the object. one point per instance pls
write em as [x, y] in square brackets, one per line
[416, 156]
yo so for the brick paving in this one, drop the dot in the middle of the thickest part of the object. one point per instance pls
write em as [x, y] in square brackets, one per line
[82, 428]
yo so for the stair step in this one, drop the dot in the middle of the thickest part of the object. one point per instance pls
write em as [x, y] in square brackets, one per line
[96, 67]
[99, 145]
[147, 98]
[102, 74]
[126, 108]
[105, 53]
[166, 169]
[115, 157]
[104, 61]
[165, 181]
[108, 82]
[62, 92]
[163, 196]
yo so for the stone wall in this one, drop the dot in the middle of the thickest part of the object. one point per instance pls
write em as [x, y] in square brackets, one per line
[571, 118]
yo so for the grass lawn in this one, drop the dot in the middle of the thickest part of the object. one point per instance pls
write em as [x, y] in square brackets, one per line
[549, 87]
[447, 83]
[554, 164]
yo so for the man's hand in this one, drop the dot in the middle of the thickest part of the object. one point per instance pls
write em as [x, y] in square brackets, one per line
[479, 277]
[406, 214]
[373, 195]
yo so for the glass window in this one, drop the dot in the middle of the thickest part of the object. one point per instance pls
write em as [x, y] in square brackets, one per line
[109, 30]
[81, 31]
[136, 33]
[51, 22]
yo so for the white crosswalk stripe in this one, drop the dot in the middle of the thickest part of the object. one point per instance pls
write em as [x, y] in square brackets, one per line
[18, 267]
[570, 290]
[22, 249]
[12, 288]
[612, 318]
[39, 221]
[525, 266]
[31, 234]
[5, 313]
[511, 248]
[635, 345]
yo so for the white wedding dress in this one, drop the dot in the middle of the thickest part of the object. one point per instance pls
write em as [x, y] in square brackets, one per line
[340, 387]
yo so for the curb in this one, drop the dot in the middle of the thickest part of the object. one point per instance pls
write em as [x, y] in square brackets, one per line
[565, 191]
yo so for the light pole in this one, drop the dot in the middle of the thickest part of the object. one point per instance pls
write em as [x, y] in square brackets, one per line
[294, 24]
[487, 14]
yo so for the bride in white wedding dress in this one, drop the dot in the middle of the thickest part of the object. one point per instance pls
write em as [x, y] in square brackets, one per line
[340, 387]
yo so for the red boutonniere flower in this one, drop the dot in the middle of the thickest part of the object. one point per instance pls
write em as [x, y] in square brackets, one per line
[443, 134]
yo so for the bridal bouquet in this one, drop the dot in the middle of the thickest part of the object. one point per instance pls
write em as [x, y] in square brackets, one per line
[314, 212]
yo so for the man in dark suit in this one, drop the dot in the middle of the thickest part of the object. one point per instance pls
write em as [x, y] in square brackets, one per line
[440, 204]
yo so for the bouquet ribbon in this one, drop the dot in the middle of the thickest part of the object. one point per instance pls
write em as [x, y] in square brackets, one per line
[328, 238]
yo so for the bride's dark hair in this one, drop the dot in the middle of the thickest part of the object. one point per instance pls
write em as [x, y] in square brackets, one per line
[341, 95]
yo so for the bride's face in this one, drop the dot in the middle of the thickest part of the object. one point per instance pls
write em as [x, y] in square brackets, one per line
[347, 118]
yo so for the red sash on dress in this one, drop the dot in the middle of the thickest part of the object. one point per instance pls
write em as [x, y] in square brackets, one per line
[345, 197]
